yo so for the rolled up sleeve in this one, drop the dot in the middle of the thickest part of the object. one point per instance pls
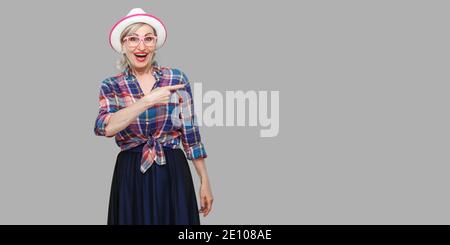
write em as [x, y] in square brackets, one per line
[107, 106]
[191, 139]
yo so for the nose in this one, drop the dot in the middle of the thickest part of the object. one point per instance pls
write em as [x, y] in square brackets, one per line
[141, 45]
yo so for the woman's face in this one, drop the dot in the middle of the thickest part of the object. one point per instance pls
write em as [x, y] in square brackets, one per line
[140, 56]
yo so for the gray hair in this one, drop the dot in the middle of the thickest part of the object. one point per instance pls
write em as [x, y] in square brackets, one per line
[124, 62]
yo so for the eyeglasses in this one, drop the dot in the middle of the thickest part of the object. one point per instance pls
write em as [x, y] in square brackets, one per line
[134, 41]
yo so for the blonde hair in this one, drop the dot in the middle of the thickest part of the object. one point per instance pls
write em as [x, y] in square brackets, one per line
[124, 62]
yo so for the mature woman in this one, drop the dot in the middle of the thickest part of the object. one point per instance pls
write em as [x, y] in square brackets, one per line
[149, 109]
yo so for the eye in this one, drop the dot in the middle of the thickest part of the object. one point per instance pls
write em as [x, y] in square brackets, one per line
[148, 39]
[133, 39]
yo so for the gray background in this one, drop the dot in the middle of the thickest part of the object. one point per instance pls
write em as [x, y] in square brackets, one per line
[364, 121]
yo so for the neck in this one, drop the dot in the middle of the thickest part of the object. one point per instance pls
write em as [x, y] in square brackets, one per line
[142, 71]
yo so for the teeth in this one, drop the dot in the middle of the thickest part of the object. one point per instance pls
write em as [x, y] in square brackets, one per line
[141, 55]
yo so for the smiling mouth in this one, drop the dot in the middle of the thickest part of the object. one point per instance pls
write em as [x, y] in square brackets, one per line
[141, 57]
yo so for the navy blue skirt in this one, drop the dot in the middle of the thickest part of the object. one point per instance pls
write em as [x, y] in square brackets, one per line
[163, 195]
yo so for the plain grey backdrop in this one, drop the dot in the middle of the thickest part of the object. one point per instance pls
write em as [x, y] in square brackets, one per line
[364, 108]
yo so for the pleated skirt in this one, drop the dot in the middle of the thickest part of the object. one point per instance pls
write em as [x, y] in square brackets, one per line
[163, 195]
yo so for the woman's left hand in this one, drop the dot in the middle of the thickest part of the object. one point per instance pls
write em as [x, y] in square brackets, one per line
[206, 198]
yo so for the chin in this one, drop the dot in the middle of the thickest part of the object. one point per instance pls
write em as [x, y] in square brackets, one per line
[141, 65]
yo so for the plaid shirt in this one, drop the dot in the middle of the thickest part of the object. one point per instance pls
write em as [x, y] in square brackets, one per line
[160, 125]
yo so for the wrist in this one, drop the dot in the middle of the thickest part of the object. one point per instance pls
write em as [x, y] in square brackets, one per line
[147, 102]
[204, 179]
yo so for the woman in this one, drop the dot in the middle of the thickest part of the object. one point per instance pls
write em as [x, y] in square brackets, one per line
[152, 182]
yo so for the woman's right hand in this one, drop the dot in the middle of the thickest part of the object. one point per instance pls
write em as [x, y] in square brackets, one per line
[161, 95]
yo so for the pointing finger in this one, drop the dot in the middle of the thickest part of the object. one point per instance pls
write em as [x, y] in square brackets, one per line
[175, 87]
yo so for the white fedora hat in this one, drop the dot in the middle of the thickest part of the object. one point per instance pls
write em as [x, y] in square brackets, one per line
[134, 16]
